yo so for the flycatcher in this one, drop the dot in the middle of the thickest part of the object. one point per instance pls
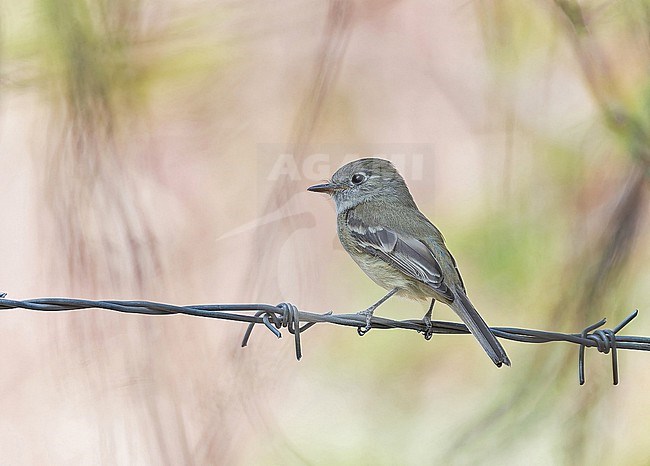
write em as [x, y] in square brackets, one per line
[383, 230]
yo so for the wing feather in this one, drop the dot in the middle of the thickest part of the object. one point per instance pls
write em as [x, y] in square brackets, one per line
[408, 254]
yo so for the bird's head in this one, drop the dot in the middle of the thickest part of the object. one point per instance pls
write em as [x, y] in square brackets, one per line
[364, 180]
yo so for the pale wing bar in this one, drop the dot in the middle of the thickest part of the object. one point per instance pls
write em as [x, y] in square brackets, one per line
[407, 254]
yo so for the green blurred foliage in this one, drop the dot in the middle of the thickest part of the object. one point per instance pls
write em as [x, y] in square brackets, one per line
[553, 238]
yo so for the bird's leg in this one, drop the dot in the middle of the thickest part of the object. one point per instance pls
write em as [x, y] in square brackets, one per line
[428, 330]
[368, 312]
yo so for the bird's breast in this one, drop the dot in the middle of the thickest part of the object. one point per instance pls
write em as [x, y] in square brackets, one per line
[380, 271]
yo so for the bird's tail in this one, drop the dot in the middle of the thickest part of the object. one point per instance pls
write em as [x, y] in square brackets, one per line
[475, 323]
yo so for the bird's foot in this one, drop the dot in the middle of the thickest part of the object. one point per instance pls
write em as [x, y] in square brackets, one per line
[368, 314]
[428, 327]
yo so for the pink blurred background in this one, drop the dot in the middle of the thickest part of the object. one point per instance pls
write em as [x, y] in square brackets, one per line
[161, 151]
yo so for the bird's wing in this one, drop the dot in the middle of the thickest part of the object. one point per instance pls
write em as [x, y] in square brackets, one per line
[406, 253]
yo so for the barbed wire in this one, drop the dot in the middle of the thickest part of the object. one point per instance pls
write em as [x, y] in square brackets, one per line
[286, 315]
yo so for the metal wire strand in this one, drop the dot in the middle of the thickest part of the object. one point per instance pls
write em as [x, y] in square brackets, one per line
[286, 315]
[605, 340]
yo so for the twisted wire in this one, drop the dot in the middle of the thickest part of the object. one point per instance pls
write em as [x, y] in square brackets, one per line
[287, 315]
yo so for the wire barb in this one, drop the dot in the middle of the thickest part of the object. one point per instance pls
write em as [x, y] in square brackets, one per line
[605, 340]
[289, 318]
[286, 315]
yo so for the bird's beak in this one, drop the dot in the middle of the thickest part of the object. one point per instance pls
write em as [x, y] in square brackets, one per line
[328, 188]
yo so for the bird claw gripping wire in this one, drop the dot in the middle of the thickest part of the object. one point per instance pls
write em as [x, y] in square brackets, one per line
[604, 340]
[287, 315]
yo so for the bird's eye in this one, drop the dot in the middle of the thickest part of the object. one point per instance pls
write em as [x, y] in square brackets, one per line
[358, 178]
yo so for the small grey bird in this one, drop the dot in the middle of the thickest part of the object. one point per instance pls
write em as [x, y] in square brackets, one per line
[381, 227]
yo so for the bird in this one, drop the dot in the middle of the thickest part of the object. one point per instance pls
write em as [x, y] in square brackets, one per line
[382, 229]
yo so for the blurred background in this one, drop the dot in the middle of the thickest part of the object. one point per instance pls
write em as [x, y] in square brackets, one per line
[161, 150]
